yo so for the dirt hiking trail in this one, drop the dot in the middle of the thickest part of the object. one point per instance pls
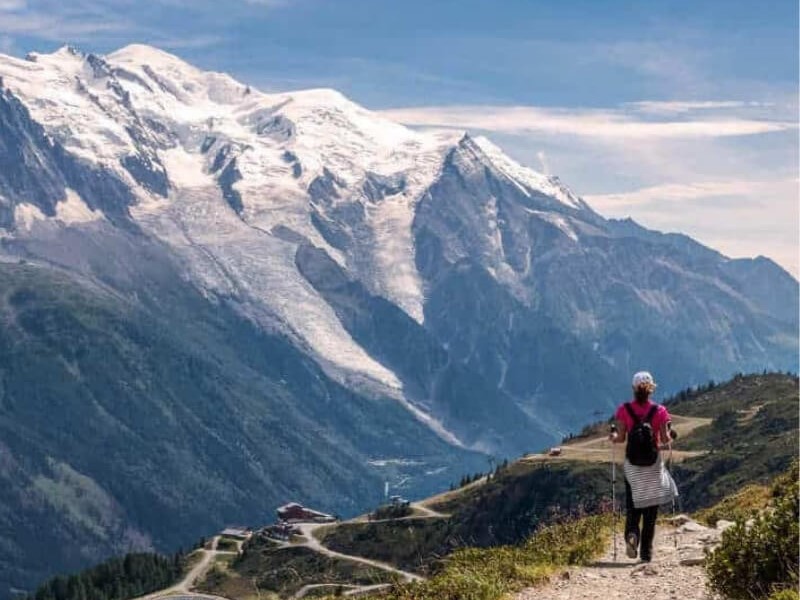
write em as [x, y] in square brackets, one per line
[676, 573]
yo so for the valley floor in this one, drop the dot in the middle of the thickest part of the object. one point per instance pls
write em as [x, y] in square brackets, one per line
[676, 572]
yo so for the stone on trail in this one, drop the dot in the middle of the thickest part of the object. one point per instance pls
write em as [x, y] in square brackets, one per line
[679, 520]
[644, 569]
[692, 527]
[722, 525]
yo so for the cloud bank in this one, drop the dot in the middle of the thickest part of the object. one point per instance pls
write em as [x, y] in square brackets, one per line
[626, 123]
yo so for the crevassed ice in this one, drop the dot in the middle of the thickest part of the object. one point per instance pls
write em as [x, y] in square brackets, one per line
[258, 268]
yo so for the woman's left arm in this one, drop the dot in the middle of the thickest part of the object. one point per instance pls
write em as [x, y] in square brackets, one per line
[664, 437]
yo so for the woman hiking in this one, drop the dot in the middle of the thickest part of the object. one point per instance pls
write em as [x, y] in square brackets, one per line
[646, 429]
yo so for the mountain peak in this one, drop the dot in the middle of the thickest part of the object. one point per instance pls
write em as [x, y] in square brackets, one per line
[526, 178]
[323, 96]
[144, 53]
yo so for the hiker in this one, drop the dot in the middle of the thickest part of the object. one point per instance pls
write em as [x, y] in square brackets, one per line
[646, 427]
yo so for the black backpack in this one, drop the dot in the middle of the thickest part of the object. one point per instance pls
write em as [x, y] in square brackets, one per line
[641, 449]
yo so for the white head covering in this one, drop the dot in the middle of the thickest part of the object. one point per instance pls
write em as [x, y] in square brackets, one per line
[643, 378]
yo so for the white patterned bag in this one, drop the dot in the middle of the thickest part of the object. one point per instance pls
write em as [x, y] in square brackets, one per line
[651, 485]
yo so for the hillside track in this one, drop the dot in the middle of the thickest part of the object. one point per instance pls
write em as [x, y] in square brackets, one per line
[314, 544]
[598, 448]
[183, 589]
[675, 572]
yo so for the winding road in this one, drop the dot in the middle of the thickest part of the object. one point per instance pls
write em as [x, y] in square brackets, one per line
[314, 544]
[182, 589]
[594, 449]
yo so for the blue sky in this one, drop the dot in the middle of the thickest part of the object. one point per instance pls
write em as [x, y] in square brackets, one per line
[680, 114]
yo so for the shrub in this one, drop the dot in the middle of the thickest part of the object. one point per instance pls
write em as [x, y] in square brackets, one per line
[754, 562]
[785, 595]
[391, 511]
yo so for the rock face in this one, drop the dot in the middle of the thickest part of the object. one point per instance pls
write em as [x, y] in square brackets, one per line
[374, 278]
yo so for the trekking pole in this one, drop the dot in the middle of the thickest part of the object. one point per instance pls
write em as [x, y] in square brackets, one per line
[614, 488]
[672, 435]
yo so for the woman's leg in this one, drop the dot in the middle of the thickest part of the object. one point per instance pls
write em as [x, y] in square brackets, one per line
[632, 517]
[648, 532]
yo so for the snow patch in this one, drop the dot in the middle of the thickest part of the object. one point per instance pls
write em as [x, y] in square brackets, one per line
[229, 257]
[394, 462]
[73, 210]
[25, 215]
[558, 220]
[432, 423]
[185, 169]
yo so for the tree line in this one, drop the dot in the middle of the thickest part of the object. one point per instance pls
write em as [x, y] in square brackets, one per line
[119, 578]
[467, 479]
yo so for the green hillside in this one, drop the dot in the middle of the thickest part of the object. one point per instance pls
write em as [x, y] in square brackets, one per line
[143, 421]
[752, 438]
[754, 435]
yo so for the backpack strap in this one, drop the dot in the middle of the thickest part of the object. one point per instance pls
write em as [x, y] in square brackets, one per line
[651, 413]
[629, 408]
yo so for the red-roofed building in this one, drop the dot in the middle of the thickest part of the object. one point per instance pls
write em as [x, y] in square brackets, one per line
[294, 512]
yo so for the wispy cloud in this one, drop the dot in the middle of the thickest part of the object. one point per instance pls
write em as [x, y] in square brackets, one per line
[119, 21]
[721, 170]
[739, 217]
[666, 195]
[199, 41]
[622, 123]
[10, 5]
[75, 21]
[682, 106]
[543, 162]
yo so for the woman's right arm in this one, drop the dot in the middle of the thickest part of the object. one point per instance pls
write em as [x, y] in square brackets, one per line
[618, 436]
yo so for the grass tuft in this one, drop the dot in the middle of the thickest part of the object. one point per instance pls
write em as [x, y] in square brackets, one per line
[737, 507]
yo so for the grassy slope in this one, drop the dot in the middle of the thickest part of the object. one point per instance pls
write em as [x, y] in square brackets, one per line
[505, 510]
[745, 445]
[748, 445]
[492, 573]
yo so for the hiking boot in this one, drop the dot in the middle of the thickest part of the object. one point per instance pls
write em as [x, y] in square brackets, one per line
[631, 545]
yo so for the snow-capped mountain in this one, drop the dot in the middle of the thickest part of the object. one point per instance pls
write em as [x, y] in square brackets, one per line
[234, 182]
[289, 295]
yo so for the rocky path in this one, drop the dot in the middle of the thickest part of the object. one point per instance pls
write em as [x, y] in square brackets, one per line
[676, 573]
